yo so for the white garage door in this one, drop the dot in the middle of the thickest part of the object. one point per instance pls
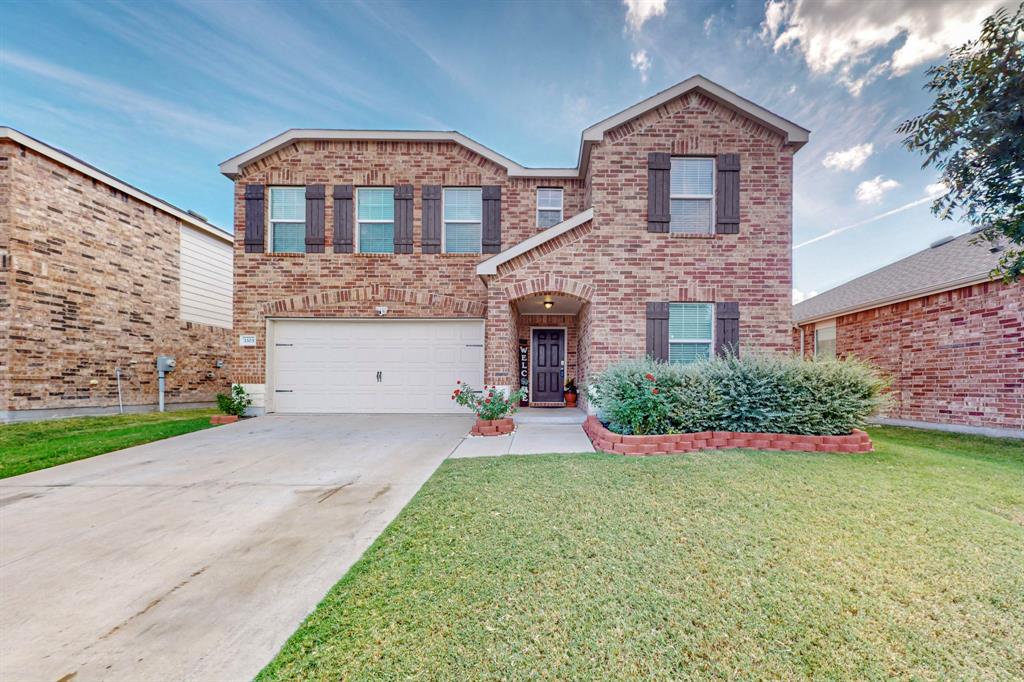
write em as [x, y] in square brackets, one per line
[372, 365]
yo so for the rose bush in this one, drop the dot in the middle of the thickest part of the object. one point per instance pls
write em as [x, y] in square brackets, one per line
[488, 403]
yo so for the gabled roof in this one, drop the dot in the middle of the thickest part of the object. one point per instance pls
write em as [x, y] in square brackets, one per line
[490, 266]
[792, 133]
[943, 266]
[91, 171]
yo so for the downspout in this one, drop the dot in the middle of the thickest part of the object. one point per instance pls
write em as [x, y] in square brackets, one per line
[120, 405]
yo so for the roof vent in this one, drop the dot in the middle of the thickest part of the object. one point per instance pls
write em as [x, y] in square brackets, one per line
[197, 214]
[940, 242]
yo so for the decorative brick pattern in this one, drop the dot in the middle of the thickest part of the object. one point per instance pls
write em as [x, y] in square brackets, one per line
[91, 284]
[674, 444]
[956, 357]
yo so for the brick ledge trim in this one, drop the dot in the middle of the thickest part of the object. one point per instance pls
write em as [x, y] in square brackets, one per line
[606, 441]
[493, 427]
[374, 293]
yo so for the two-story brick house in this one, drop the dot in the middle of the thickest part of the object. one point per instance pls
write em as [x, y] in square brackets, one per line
[374, 268]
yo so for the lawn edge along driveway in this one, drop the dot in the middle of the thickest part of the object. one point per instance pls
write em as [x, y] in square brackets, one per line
[31, 446]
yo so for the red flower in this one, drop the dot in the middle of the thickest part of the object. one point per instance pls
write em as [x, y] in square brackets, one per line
[654, 391]
[457, 391]
[487, 402]
[453, 397]
[491, 394]
[458, 381]
[649, 376]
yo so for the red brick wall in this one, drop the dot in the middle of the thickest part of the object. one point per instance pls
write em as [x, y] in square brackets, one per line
[93, 286]
[411, 285]
[954, 358]
[626, 266]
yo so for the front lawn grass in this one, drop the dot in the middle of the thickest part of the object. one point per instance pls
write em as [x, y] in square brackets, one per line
[907, 562]
[38, 445]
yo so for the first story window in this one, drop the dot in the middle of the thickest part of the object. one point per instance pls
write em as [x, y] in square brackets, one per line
[690, 332]
[375, 216]
[691, 195]
[463, 220]
[287, 220]
[549, 206]
[825, 341]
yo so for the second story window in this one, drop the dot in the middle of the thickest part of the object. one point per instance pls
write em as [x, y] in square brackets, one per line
[463, 222]
[287, 220]
[549, 206]
[692, 193]
[375, 214]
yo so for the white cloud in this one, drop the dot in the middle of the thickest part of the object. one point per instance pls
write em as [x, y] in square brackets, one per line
[848, 159]
[861, 41]
[936, 189]
[709, 24]
[641, 62]
[801, 296]
[639, 11]
[871, 191]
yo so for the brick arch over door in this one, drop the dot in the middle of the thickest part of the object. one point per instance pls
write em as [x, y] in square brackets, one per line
[549, 284]
[375, 293]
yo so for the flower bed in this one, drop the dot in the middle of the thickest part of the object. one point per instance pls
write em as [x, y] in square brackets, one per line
[678, 443]
[493, 427]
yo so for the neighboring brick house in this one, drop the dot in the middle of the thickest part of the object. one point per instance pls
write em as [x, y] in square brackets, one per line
[374, 268]
[97, 279]
[950, 338]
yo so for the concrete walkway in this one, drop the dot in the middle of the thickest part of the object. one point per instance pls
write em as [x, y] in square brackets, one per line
[196, 557]
[528, 439]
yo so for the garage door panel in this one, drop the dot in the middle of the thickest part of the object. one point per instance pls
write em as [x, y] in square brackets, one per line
[332, 365]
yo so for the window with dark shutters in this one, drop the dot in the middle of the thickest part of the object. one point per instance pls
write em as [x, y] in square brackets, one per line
[657, 330]
[727, 328]
[659, 166]
[431, 239]
[343, 219]
[315, 218]
[255, 218]
[403, 218]
[727, 194]
[491, 219]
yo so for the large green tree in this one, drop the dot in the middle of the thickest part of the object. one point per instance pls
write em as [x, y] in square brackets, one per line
[974, 134]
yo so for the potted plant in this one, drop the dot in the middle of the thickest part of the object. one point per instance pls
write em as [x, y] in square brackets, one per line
[492, 407]
[233, 406]
[570, 393]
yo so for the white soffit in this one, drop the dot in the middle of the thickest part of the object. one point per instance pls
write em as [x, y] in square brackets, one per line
[91, 171]
[490, 266]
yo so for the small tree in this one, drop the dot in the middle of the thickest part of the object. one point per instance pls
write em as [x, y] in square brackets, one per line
[974, 133]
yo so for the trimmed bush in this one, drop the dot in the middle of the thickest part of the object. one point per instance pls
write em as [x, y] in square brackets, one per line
[765, 394]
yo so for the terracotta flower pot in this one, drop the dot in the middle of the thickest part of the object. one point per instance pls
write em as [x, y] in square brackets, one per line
[570, 400]
[223, 419]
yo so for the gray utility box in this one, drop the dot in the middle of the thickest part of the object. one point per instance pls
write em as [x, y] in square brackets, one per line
[165, 363]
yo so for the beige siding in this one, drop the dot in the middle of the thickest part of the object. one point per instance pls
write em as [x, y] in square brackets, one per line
[205, 279]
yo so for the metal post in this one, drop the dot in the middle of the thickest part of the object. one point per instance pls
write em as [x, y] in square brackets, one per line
[161, 383]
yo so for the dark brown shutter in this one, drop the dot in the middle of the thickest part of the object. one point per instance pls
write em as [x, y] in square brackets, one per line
[255, 218]
[314, 218]
[727, 329]
[492, 219]
[343, 219]
[727, 194]
[431, 219]
[403, 218]
[657, 330]
[659, 168]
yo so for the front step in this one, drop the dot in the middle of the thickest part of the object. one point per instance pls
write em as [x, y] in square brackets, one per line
[550, 415]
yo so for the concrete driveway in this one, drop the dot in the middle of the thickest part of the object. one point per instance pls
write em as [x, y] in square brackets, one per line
[196, 557]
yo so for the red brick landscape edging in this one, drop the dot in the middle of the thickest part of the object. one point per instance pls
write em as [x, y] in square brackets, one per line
[219, 419]
[606, 441]
[493, 427]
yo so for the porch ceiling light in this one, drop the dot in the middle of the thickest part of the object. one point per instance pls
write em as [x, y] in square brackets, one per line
[548, 304]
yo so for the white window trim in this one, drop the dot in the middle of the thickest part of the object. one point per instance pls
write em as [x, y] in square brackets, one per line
[445, 221]
[271, 221]
[710, 340]
[355, 213]
[561, 205]
[714, 188]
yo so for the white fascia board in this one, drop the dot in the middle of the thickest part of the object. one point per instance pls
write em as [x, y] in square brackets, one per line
[980, 278]
[96, 174]
[490, 266]
[232, 167]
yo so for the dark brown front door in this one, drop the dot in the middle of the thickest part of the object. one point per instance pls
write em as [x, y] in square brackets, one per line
[548, 358]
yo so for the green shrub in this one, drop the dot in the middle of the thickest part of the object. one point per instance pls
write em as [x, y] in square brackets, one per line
[767, 394]
[236, 403]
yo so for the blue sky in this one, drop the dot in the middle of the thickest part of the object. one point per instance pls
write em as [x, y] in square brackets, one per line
[159, 93]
